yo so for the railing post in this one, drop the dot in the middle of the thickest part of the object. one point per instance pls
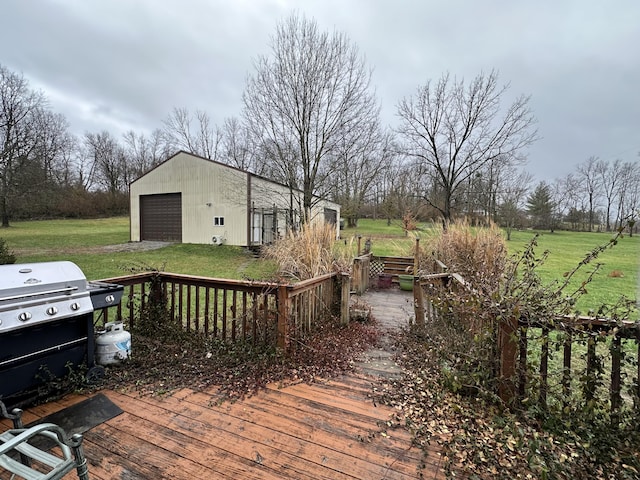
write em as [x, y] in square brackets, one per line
[566, 369]
[544, 368]
[508, 348]
[157, 291]
[522, 363]
[616, 398]
[636, 398]
[345, 298]
[283, 318]
[361, 266]
[590, 383]
[418, 301]
[366, 273]
[357, 275]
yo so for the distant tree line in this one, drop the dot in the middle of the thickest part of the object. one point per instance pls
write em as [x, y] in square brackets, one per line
[311, 120]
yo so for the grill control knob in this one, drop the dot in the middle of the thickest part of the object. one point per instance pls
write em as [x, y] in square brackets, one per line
[75, 306]
[109, 299]
[24, 316]
[52, 311]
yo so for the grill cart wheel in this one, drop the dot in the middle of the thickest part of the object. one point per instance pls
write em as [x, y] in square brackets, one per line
[95, 374]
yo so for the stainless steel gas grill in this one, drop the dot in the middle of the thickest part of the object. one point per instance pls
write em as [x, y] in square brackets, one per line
[46, 323]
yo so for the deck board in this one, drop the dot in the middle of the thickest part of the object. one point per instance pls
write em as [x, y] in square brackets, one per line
[312, 439]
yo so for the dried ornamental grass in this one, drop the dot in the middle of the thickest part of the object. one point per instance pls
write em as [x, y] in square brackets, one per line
[478, 254]
[308, 253]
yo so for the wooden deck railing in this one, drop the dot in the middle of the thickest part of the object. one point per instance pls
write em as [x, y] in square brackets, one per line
[588, 348]
[583, 333]
[260, 312]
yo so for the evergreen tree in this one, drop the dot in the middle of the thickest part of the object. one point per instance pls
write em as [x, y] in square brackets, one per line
[540, 207]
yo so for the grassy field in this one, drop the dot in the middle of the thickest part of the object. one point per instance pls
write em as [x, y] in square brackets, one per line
[619, 271]
[83, 242]
[566, 250]
[387, 240]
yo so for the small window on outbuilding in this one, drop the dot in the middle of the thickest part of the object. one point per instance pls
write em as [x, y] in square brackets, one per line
[218, 221]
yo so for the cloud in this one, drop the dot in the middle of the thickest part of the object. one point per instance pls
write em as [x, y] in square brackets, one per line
[120, 65]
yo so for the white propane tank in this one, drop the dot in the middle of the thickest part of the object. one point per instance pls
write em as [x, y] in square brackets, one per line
[113, 344]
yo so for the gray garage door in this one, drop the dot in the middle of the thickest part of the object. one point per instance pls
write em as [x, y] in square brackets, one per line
[161, 217]
[330, 216]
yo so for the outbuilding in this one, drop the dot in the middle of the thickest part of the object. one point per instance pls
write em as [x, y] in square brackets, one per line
[191, 199]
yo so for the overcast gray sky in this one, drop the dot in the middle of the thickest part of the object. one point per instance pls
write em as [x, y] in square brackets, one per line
[118, 65]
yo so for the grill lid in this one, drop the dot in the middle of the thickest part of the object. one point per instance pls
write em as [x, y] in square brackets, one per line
[38, 292]
[28, 279]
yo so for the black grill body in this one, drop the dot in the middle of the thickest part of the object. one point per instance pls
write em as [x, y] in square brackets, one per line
[33, 356]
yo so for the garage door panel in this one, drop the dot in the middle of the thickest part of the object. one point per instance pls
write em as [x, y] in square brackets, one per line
[161, 217]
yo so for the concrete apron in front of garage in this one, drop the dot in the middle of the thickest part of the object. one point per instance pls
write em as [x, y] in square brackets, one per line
[391, 308]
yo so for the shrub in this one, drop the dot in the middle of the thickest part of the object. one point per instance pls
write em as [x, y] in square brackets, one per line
[409, 222]
[562, 436]
[6, 256]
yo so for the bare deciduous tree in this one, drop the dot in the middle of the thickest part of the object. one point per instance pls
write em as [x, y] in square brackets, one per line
[511, 198]
[397, 195]
[304, 99]
[453, 130]
[144, 152]
[357, 165]
[590, 183]
[108, 161]
[20, 107]
[54, 146]
[628, 193]
[236, 149]
[181, 133]
[571, 202]
[610, 175]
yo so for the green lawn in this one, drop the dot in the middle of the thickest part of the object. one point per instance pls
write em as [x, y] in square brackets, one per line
[566, 250]
[65, 234]
[82, 242]
[387, 240]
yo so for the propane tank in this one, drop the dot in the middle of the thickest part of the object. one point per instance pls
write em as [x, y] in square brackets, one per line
[113, 344]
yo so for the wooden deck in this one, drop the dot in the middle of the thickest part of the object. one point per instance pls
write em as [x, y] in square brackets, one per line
[328, 430]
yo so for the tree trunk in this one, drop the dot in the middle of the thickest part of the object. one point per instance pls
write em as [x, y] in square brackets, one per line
[590, 211]
[4, 213]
